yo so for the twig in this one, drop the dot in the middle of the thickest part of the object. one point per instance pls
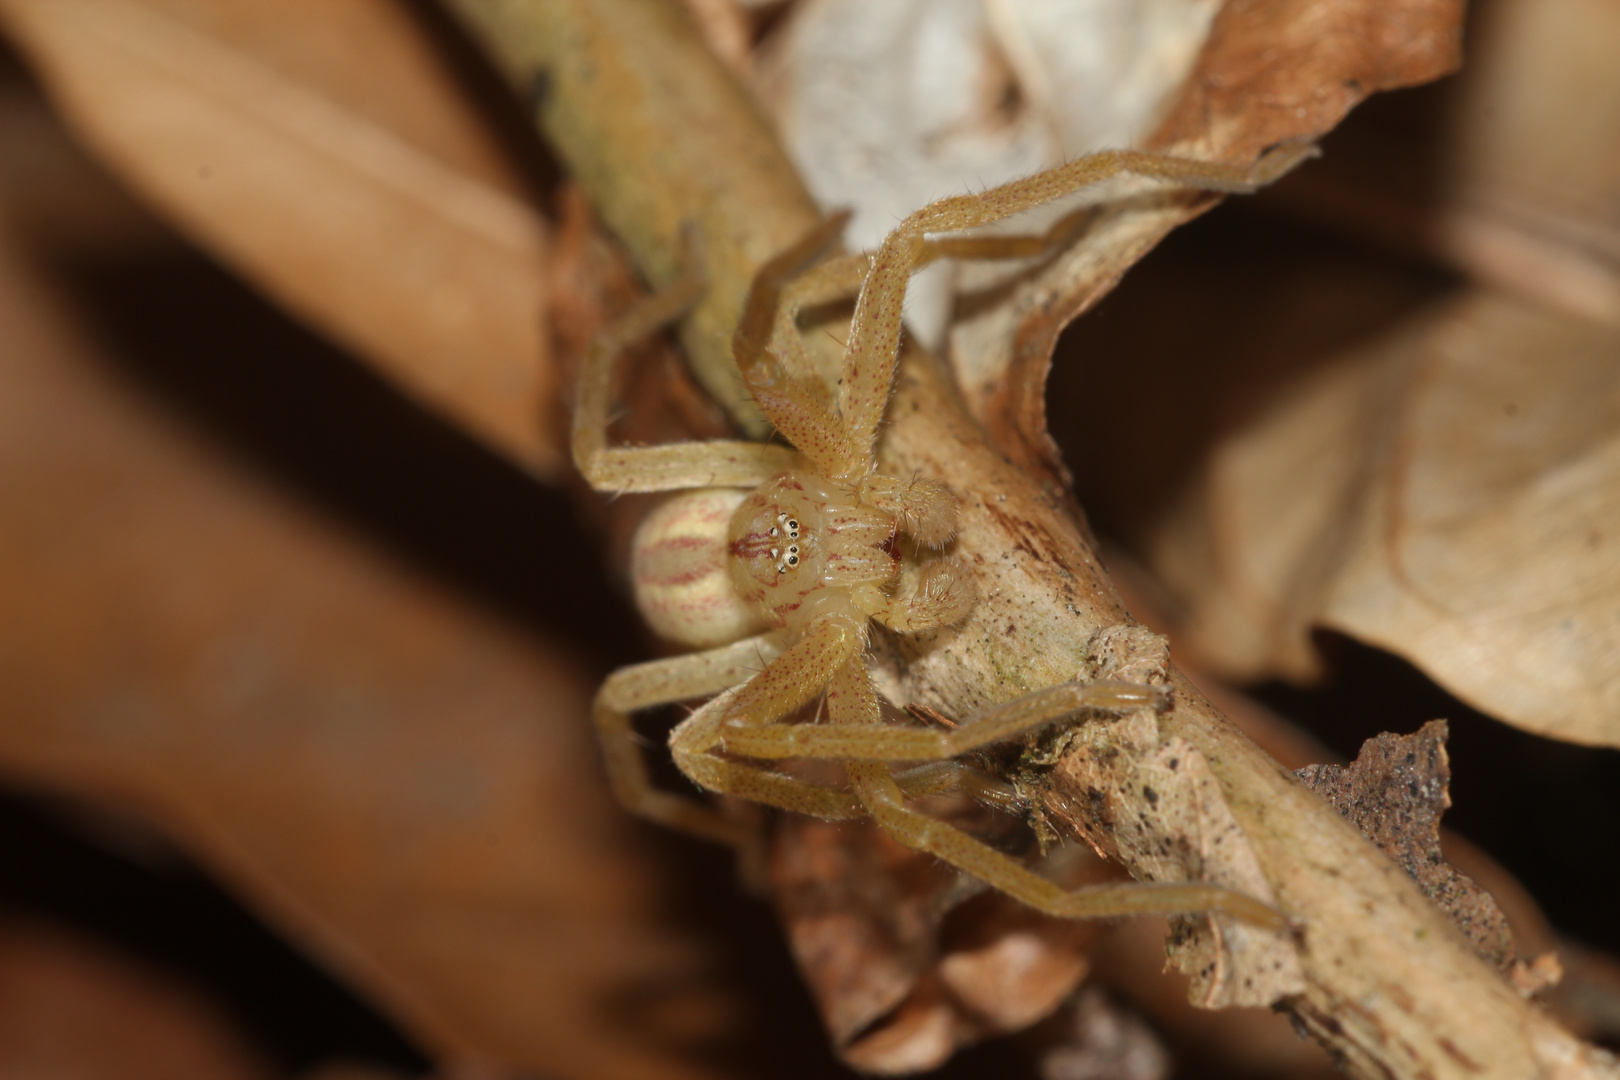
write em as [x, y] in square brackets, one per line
[657, 133]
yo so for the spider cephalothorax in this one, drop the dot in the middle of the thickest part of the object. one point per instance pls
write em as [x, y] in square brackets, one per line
[804, 544]
[802, 549]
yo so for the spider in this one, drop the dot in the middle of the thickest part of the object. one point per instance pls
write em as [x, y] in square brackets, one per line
[775, 561]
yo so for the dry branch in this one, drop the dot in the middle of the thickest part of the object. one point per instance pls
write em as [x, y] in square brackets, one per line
[655, 131]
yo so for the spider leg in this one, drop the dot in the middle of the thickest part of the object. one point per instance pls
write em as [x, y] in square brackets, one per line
[853, 703]
[792, 398]
[841, 278]
[837, 278]
[777, 279]
[874, 339]
[748, 781]
[789, 681]
[884, 801]
[660, 682]
[718, 463]
[885, 742]
[939, 777]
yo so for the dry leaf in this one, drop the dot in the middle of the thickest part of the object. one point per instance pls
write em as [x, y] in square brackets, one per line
[400, 781]
[1395, 792]
[862, 915]
[1522, 195]
[1495, 521]
[908, 960]
[1447, 493]
[1443, 490]
[325, 150]
[1271, 71]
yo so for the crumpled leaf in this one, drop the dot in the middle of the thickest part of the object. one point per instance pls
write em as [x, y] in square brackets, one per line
[909, 960]
[1448, 493]
[1395, 792]
[1445, 488]
[1271, 71]
[1495, 523]
[325, 150]
[862, 919]
[1523, 196]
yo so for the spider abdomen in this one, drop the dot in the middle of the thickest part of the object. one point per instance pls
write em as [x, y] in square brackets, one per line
[678, 566]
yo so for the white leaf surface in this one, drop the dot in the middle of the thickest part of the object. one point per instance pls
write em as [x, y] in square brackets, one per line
[886, 107]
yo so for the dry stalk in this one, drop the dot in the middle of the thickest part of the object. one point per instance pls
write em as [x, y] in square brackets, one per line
[658, 134]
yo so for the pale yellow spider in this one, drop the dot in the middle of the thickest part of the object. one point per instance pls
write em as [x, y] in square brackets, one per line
[801, 544]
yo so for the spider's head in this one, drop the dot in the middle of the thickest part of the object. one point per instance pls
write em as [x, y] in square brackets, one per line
[775, 548]
[678, 566]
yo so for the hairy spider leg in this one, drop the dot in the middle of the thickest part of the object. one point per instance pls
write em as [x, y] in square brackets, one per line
[853, 704]
[796, 403]
[691, 745]
[843, 446]
[672, 467]
[886, 742]
[660, 682]
[874, 340]
[790, 681]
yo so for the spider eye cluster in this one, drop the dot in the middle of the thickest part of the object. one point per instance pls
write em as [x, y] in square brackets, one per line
[789, 558]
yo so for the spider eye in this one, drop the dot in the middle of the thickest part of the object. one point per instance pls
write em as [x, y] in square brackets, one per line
[781, 569]
[793, 560]
[775, 531]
